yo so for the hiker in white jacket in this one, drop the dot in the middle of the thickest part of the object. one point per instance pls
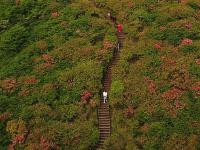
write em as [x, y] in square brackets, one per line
[105, 95]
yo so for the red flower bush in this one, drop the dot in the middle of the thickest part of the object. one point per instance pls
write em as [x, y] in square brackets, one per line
[85, 96]
[24, 92]
[172, 94]
[198, 61]
[187, 41]
[107, 45]
[157, 46]
[5, 116]
[55, 14]
[168, 61]
[47, 58]
[196, 87]
[188, 25]
[128, 112]
[8, 84]
[162, 28]
[19, 139]
[31, 80]
[44, 144]
[179, 105]
[151, 85]
[49, 62]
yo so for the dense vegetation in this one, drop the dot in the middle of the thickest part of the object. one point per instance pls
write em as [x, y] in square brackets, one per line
[52, 57]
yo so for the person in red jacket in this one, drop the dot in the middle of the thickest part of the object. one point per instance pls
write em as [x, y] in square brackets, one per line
[119, 27]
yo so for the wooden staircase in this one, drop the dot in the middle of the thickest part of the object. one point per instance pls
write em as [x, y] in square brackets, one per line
[104, 116]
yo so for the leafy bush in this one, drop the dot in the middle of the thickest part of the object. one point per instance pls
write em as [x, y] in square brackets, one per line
[17, 35]
[117, 88]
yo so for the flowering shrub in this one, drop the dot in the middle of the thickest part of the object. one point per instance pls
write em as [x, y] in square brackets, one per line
[85, 96]
[198, 61]
[31, 80]
[45, 145]
[55, 14]
[188, 25]
[186, 42]
[178, 104]
[162, 28]
[24, 92]
[108, 45]
[128, 112]
[168, 61]
[8, 84]
[48, 58]
[19, 139]
[172, 94]
[5, 116]
[157, 46]
[196, 88]
[151, 85]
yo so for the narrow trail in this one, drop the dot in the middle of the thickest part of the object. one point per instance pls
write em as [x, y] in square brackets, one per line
[104, 117]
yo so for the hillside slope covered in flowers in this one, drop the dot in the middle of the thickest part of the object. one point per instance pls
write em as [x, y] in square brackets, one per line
[52, 57]
[155, 92]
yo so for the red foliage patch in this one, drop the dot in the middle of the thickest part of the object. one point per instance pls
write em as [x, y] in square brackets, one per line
[24, 92]
[47, 58]
[188, 25]
[157, 46]
[168, 61]
[19, 139]
[198, 61]
[128, 112]
[55, 14]
[172, 93]
[187, 41]
[5, 116]
[162, 28]
[196, 87]
[45, 144]
[179, 105]
[131, 4]
[85, 96]
[8, 84]
[46, 65]
[107, 45]
[151, 85]
[31, 80]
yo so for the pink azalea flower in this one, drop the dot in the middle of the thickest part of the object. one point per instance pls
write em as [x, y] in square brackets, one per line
[198, 61]
[55, 14]
[162, 28]
[157, 46]
[187, 41]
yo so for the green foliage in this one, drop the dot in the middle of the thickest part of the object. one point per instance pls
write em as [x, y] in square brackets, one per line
[142, 16]
[189, 49]
[117, 88]
[172, 34]
[17, 35]
[195, 70]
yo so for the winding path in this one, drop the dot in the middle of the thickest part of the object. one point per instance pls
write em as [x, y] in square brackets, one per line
[104, 117]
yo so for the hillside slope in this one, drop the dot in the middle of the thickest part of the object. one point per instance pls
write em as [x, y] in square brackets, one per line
[53, 55]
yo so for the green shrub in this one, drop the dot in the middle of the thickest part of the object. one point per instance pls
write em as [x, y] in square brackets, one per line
[189, 49]
[194, 70]
[17, 35]
[117, 88]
